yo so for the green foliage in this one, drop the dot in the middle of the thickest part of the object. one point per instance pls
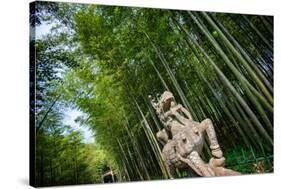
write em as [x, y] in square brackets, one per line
[64, 159]
[247, 160]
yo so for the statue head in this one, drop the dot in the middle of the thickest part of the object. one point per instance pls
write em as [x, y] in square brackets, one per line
[162, 104]
[166, 99]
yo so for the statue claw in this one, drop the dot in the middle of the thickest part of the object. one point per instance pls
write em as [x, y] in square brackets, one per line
[217, 162]
[217, 153]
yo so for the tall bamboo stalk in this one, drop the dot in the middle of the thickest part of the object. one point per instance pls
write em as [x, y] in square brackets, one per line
[172, 77]
[242, 60]
[230, 86]
[258, 32]
[154, 142]
[220, 51]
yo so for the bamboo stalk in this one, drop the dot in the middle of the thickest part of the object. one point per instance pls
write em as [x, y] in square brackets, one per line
[232, 89]
[241, 59]
[258, 32]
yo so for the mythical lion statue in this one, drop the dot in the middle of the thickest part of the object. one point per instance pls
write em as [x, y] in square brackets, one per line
[183, 139]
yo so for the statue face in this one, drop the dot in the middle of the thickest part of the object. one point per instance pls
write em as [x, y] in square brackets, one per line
[173, 103]
[166, 99]
[165, 105]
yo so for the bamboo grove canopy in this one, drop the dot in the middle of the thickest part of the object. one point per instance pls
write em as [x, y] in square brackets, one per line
[219, 66]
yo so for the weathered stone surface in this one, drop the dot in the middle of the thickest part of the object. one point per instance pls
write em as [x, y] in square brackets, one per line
[183, 139]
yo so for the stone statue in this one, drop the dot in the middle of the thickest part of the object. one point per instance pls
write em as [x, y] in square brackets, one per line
[183, 139]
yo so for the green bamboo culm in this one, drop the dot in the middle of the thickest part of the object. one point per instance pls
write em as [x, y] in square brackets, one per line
[242, 60]
[230, 86]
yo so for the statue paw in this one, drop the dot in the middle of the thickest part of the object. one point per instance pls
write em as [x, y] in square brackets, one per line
[217, 162]
[217, 153]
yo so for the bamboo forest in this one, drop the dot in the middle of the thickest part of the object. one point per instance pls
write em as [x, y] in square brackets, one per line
[96, 68]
